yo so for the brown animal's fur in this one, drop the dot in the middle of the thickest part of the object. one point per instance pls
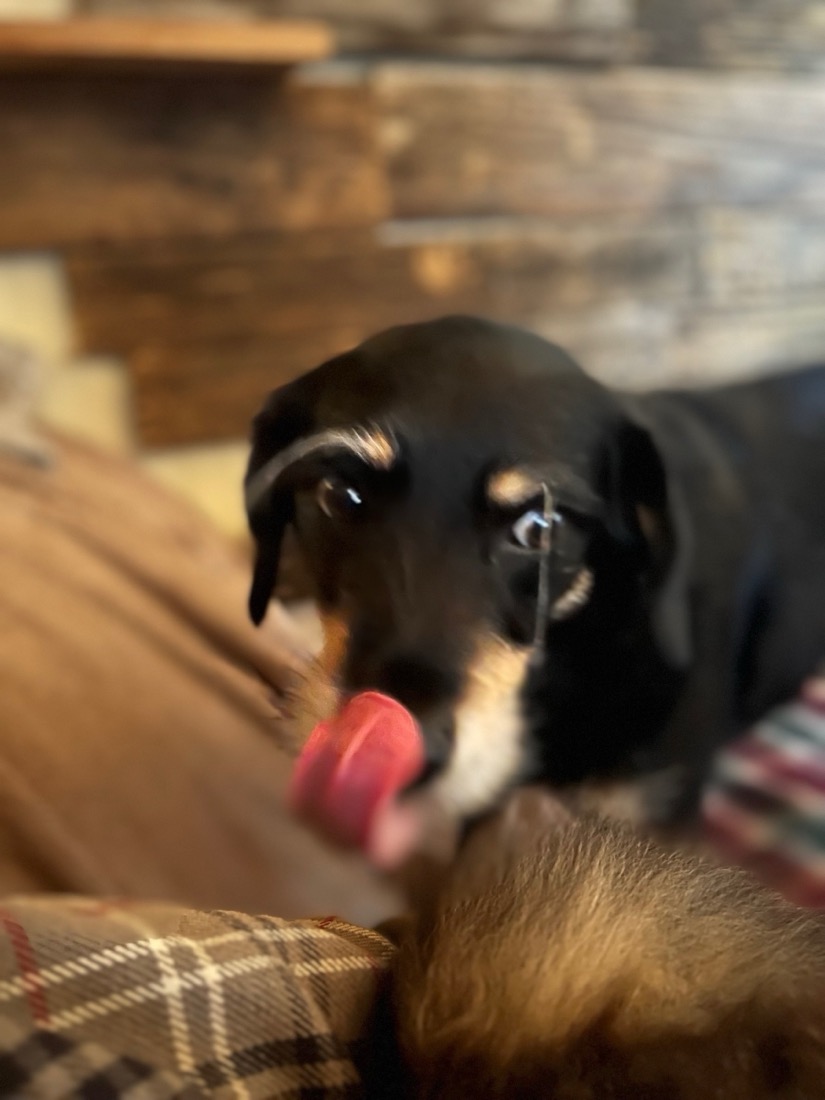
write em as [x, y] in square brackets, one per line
[584, 962]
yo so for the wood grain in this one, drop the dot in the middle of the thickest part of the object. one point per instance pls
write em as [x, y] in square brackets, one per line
[187, 392]
[130, 157]
[166, 40]
[287, 285]
[783, 35]
[492, 139]
[598, 30]
[209, 328]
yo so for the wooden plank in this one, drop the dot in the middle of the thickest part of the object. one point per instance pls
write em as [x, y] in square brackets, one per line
[195, 392]
[191, 392]
[490, 140]
[599, 30]
[284, 42]
[209, 328]
[287, 285]
[127, 157]
[785, 35]
[757, 259]
[641, 345]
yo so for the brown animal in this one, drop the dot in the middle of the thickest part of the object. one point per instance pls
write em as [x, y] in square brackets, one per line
[582, 961]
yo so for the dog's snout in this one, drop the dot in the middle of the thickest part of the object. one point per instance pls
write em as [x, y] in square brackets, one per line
[438, 729]
[428, 689]
[416, 682]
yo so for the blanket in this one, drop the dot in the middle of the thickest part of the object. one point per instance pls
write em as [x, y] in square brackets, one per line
[765, 807]
[151, 1002]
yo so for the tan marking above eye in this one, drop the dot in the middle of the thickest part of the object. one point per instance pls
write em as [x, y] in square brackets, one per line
[374, 446]
[513, 487]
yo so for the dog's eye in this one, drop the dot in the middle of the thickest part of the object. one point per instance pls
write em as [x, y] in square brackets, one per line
[529, 530]
[337, 499]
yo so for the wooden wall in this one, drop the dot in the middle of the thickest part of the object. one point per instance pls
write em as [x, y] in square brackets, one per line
[788, 35]
[641, 180]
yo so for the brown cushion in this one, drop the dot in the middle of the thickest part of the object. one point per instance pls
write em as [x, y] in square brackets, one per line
[138, 722]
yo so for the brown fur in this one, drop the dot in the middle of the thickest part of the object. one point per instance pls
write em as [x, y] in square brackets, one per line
[584, 962]
[316, 694]
[336, 639]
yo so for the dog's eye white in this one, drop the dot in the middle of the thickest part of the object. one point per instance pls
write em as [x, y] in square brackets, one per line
[337, 499]
[528, 530]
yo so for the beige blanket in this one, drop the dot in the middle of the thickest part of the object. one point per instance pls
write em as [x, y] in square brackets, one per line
[155, 1003]
[138, 708]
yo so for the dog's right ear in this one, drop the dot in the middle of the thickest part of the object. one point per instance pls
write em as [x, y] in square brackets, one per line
[284, 418]
[644, 502]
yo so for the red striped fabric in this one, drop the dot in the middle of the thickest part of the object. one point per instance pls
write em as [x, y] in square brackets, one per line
[765, 806]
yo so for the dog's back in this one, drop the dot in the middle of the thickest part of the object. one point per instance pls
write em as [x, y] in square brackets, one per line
[750, 458]
[584, 963]
[772, 432]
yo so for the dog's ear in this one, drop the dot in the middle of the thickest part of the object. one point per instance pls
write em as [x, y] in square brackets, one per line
[284, 418]
[644, 504]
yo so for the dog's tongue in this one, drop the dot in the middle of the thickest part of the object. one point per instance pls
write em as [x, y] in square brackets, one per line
[352, 769]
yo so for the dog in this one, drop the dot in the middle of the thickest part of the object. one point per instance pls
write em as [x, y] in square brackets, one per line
[574, 959]
[564, 583]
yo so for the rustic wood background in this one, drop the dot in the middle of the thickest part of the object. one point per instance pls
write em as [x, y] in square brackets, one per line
[642, 180]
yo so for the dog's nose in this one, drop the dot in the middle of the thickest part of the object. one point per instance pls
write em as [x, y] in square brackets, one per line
[438, 729]
[419, 684]
[429, 692]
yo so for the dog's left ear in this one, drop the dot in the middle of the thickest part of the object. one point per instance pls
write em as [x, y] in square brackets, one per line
[284, 418]
[644, 504]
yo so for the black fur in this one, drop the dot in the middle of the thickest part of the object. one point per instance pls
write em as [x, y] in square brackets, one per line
[700, 619]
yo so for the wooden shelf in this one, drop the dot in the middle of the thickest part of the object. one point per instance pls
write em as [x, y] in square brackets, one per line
[148, 41]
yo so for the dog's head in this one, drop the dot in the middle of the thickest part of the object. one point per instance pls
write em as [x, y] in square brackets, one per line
[493, 541]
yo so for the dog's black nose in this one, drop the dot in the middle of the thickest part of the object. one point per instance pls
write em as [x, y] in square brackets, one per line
[438, 729]
[420, 684]
[427, 689]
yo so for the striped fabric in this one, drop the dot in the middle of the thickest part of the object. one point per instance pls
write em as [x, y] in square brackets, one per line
[765, 808]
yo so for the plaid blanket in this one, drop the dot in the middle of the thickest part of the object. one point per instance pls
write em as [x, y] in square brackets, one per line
[102, 1001]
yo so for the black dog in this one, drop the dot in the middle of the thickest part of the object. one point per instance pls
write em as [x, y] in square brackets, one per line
[562, 582]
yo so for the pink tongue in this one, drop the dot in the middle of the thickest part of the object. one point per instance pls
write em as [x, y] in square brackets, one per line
[352, 769]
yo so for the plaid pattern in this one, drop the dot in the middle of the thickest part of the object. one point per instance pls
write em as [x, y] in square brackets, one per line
[765, 808]
[103, 1001]
[119, 1001]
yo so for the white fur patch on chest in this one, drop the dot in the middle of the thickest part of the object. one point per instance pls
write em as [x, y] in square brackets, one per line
[489, 750]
